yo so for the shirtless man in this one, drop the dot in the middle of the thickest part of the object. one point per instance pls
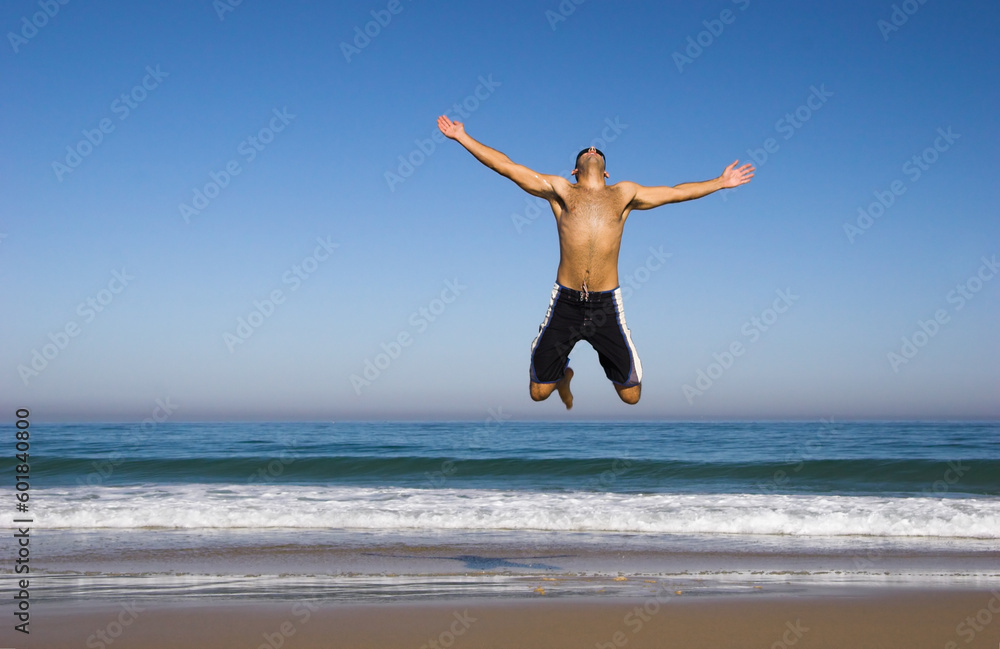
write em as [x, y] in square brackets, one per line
[586, 301]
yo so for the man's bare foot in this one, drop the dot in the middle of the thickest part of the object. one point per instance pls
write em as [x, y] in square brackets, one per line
[563, 387]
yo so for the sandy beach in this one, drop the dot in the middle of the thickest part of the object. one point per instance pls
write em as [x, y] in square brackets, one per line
[525, 546]
[178, 589]
[852, 617]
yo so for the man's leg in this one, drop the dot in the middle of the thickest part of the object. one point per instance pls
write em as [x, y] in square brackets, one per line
[550, 352]
[541, 391]
[613, 342]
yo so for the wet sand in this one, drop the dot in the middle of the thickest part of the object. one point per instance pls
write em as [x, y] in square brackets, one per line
[191, 590]
[846, 617]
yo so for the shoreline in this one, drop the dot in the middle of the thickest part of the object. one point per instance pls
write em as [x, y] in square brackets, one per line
[340, 567]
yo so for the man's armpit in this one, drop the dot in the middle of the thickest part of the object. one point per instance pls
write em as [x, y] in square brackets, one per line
[629, 190]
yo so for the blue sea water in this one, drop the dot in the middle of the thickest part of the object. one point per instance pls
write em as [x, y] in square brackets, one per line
[352, 511]
[892, 480]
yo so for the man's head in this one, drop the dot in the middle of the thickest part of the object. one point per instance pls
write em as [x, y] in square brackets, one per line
[590, 157]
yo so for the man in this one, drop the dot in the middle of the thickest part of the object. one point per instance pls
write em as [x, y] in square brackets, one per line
[586, 301]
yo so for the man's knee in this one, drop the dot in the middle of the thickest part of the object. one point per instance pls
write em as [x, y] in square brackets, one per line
[630, 399]
[631, 394]
[539, 391]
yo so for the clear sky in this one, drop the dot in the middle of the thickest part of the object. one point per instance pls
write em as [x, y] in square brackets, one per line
[224, 212]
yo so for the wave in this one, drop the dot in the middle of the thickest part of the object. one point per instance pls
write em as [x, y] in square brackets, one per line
[873, 476]
[213, 506]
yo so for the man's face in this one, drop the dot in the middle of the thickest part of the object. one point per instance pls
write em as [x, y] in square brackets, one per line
[589, 157]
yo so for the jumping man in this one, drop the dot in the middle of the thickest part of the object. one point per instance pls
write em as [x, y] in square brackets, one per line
[586, 301]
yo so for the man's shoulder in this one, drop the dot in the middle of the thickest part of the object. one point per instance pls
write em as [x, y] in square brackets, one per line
[626, 188]
[559, 183]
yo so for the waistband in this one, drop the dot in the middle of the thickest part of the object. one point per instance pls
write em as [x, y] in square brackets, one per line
[589, 296]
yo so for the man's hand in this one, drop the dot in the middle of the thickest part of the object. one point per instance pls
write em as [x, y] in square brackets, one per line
[451, 129]
[733, 177]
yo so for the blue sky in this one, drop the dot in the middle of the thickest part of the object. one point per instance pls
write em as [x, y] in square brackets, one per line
[874, 208]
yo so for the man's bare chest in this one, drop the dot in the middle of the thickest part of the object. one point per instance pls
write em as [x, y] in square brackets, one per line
[594, 207]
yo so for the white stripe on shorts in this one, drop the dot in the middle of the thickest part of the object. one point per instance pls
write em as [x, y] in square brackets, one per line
[619, 304]
[548, 316]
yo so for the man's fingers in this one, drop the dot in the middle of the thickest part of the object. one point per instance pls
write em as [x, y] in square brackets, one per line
[740, 173]
[446, 125]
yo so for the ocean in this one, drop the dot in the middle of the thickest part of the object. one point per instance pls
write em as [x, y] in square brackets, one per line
[195, 506]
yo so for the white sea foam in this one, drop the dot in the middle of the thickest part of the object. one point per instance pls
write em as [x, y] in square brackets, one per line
[194, 506]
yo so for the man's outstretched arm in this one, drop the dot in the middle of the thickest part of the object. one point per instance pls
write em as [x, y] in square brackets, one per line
[534, 183]
[646, 198]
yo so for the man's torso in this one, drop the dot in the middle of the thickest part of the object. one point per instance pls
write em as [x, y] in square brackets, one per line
[590, 223]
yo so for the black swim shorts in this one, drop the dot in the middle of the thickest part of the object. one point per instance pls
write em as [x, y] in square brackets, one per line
[596, 317]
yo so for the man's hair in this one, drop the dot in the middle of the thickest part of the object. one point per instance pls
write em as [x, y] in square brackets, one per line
[576, 164]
